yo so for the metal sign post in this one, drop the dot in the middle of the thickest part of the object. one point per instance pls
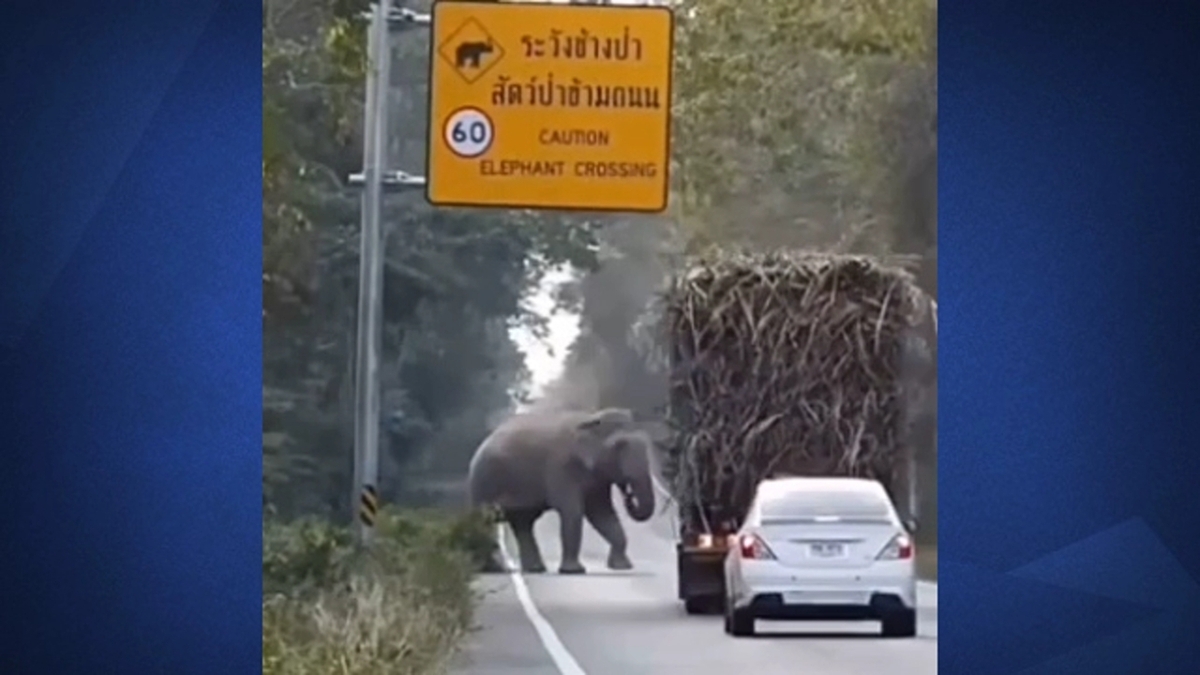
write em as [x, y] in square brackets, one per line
[374, 179]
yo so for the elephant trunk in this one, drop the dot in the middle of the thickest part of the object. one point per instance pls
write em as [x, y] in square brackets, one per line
[639, 498]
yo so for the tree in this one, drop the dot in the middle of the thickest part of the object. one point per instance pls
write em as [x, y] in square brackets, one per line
[783, 118]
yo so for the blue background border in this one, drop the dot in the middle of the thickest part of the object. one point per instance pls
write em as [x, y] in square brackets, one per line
[1069, 519]
[131, 337]
[130, 345]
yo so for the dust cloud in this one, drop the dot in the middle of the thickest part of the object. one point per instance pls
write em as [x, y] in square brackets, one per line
[601, 368]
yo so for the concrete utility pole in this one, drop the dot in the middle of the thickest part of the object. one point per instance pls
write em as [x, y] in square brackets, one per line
[374, 179]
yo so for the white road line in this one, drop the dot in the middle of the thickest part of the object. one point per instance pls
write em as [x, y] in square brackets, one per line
[566, 664]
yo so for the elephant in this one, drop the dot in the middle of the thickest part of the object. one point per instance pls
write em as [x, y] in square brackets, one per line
[569, 462]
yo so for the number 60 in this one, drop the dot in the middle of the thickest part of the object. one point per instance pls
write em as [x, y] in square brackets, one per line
[475, 131]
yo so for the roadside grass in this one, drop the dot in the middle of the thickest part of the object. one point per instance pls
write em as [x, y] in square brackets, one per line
[402, 608]
[927, 562]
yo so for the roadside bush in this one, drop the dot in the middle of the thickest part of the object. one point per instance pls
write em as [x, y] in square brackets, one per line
[304, 556]
[401, 608]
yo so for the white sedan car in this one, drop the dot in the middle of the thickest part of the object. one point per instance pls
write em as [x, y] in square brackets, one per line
[821, 548]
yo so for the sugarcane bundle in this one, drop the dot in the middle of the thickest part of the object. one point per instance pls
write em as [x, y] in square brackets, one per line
[786, 363]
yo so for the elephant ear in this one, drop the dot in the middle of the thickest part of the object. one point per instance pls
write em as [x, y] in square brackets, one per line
[590, 447]
[581, 466]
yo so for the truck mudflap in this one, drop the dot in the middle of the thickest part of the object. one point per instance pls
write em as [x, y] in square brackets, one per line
[701, 571]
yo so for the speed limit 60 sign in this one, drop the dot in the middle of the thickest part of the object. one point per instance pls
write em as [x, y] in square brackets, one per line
[551, 106]
[468, 132]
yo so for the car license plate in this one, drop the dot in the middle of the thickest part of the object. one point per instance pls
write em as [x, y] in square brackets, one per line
[828, 550]
[822, 598]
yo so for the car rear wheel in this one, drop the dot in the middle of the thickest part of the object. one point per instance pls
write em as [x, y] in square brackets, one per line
[740, 622]
[900, 624]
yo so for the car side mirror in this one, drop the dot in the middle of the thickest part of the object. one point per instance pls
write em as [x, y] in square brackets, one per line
[911, 525]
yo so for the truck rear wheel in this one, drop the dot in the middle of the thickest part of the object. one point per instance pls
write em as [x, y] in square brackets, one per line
[703, 604]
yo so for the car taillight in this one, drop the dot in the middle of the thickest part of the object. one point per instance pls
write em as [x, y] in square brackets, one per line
[753, 548]
[899, 548]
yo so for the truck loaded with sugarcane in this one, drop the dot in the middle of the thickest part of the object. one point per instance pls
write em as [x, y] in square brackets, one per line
[781, 364]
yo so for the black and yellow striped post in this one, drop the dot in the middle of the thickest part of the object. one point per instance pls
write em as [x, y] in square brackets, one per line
[368, 506]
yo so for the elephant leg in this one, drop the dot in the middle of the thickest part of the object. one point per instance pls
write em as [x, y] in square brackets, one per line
[522, 521]
[601, 515]
[571, 536]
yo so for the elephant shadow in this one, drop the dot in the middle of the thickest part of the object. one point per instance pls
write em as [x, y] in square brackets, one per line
[591, 573]
[597, 572]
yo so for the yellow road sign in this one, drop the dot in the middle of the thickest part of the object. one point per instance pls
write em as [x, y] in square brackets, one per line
[550, 106]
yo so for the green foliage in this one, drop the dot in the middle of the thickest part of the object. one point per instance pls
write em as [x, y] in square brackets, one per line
[310, 553]
[778, 114]
[305, 555]
[376, 626]
[346, 43]
[401, 607]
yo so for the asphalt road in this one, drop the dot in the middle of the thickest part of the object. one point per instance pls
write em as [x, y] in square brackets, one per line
[630, 623]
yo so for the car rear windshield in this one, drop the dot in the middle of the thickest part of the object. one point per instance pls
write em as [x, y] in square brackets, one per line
[814, 506]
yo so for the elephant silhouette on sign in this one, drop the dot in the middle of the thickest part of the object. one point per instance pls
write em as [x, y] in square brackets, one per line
[470, 54]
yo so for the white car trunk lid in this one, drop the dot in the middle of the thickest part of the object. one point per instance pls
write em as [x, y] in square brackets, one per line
[827, 542]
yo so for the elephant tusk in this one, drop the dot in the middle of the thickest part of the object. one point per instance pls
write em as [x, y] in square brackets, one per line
[632, 498]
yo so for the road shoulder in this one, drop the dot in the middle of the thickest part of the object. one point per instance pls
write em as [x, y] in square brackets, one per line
[504, 643]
